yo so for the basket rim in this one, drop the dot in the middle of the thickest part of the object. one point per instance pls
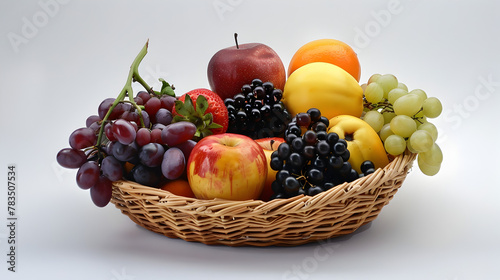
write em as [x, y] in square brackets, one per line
[219, 207]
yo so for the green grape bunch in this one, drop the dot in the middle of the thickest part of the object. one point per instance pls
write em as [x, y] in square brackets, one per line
[401, 118]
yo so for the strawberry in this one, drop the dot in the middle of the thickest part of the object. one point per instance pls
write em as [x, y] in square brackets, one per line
[205, 109]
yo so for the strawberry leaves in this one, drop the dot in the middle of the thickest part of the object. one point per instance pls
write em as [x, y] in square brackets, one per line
[188, 112]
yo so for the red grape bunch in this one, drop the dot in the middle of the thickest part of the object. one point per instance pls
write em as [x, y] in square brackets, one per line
[132, 138]
[147, 154]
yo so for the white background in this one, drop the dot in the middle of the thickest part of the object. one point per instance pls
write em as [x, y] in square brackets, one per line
[58, 60]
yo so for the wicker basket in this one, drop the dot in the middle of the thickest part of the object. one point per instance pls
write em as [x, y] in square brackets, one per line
[282, 222]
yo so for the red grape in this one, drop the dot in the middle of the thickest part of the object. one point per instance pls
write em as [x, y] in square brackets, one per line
[125, 152]
[143, 136]
[71, 158]
[167, 102]
[108, 132]
[163, 116]
[129, 116]
[153, 105]
[102, 191]
[138, 100]
[92, 119]
[186, 147]
[144, 95]
[112, 168]
[151, 154]
[87, 175]
[156, 136]
[148, 176]
[176, 133]
[145, 119]
[82, 138]
[104, 107]
[173, 164]
[119, 109]
[123, 131]
[96, 126]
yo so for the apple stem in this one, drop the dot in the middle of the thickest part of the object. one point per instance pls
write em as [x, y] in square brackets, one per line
[236, 40]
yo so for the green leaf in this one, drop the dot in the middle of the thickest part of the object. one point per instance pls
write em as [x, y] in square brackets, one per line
[214, 125]
[208, 118]
[188, 105]
[166, 88]
[206, 133]
[181, 108]
[201, 104]
[179, 119]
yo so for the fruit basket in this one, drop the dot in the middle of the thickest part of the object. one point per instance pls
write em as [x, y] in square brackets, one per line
[279, 222]
[264, 166]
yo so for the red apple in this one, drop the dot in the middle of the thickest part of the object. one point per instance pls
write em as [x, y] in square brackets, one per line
[232, 67]
[269, 145]
[227, 166]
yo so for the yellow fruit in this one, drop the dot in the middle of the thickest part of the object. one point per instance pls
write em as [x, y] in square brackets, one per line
[326, 87]
[363, 142]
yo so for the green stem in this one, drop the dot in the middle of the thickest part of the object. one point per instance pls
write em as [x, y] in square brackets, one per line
[127, 90]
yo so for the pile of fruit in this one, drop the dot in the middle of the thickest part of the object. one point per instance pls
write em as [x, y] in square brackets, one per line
[258, 132]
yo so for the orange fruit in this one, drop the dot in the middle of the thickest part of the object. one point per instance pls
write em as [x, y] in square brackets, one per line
[179, 187]
[327, 50]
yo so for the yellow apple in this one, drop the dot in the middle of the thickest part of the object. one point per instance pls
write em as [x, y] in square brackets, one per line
[269, 145]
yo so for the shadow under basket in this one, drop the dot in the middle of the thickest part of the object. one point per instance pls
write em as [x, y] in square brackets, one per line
[279, 222]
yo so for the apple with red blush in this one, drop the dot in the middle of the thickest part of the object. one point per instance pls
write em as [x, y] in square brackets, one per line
[231, 68]
[227, 166]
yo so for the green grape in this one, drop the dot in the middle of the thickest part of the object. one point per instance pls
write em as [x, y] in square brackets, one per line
[419, 118]
[403, 126]
[434, 156]
[408, 105]
[385, 132]
[427, 169]
[432, 107]
[387, 82]
[420, 93]
[421, 141]
[395, 144]
[410, 148]
[395, 93]
[388, 116]
[373, 78]
[431, 128]
[374, 93]
[402, 86]
[374, 119]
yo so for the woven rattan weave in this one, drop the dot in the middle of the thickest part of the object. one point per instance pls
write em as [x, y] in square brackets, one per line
[281, 222]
